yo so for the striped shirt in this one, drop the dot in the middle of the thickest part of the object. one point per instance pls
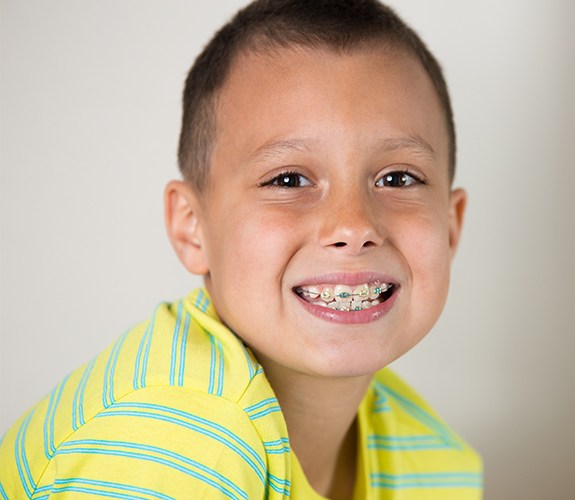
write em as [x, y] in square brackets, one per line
[179, 408]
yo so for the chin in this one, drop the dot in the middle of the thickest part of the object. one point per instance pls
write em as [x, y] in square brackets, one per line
[348, 364]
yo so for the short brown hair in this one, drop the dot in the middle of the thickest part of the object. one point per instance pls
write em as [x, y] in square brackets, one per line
[341, 25]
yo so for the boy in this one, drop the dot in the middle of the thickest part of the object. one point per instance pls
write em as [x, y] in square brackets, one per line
[318, 151]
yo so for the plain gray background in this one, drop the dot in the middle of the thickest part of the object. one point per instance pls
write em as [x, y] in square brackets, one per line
[90, 110]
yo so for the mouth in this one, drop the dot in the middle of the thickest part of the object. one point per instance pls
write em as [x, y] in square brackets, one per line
[347, 298]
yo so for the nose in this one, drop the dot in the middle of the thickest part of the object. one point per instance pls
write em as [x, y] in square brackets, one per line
[350, 224]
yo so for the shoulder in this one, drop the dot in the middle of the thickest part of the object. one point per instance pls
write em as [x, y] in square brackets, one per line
[162, 442]
[400, 403]
[178, 395]
[180, 346]
[412, 447]
[388, 385]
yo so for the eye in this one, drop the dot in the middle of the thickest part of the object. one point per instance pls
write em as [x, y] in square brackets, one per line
[288, 180]
[398, 179]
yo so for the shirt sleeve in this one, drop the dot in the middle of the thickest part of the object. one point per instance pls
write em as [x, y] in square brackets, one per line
[160, 443]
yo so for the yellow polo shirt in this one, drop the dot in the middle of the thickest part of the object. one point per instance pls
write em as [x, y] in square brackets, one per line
[178, 408]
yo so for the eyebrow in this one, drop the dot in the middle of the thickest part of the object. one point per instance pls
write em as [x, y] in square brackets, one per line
[275, 148]
[413, 143]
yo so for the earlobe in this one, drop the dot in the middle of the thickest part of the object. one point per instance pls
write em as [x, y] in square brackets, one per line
[183, 224]
[457, 204]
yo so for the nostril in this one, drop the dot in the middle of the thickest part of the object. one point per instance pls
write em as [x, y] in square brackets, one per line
[340, 244]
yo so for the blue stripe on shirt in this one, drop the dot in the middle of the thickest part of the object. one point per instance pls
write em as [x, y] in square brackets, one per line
[3, 493]
[271, 403]
[427, 480]
[103, 487]
[94, 491]
[202, 301]
[108, 391]
[55, 397]
[221, 370]
[145, 411]
[406, 443]
[251, 367]
[183, 347]
[262, 403]
[193, 418]
[280, 485]
[212, 364]
[422, 416]
[150, 453]
[143, 352]
[21, 459]
[78, 404]
[277, 447]
[175, 339]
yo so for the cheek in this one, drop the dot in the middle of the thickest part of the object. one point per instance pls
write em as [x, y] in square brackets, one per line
[425, 246]
[250, 250]
[423, 243]
[254, 245]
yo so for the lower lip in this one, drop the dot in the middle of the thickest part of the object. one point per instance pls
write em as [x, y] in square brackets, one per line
[350, 317]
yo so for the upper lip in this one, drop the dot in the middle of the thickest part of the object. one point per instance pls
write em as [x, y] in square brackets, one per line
[347, 278]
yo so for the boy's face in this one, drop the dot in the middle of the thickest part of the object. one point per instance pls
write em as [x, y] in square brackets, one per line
[329, 170]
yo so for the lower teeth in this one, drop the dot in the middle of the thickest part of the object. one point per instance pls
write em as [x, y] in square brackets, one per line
[366, 304]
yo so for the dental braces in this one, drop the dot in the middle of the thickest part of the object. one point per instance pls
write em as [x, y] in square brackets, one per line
[362, 297]
[363, 294]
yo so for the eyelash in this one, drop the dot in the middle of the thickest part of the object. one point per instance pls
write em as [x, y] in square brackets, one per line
[403, 174]
[275, 181]
[406, 180]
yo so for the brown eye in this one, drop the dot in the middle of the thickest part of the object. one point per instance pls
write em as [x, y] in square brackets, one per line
[288, 180]
[397, 180]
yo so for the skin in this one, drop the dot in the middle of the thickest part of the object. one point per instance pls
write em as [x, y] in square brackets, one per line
[343, 130]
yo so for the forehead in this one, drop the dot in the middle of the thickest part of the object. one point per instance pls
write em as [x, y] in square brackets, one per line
[322, 97]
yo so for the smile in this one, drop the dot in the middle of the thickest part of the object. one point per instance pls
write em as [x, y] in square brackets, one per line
[347, 298]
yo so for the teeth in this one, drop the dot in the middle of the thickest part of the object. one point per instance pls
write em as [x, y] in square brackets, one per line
[356, 304]
[345, 298]
[343, 295]
[376, 289]
[327, 294]
[343, 292]
[362, 291]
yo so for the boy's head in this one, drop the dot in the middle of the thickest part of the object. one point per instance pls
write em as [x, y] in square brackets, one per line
[268, 25]
[325, 223]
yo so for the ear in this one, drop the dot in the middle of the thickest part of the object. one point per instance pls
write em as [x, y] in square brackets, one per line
[457, 204]
[183, 219]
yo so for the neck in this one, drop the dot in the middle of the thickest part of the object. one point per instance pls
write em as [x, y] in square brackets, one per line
[320, 415]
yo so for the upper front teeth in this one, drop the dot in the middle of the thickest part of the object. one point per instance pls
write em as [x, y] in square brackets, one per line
[362, 291]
